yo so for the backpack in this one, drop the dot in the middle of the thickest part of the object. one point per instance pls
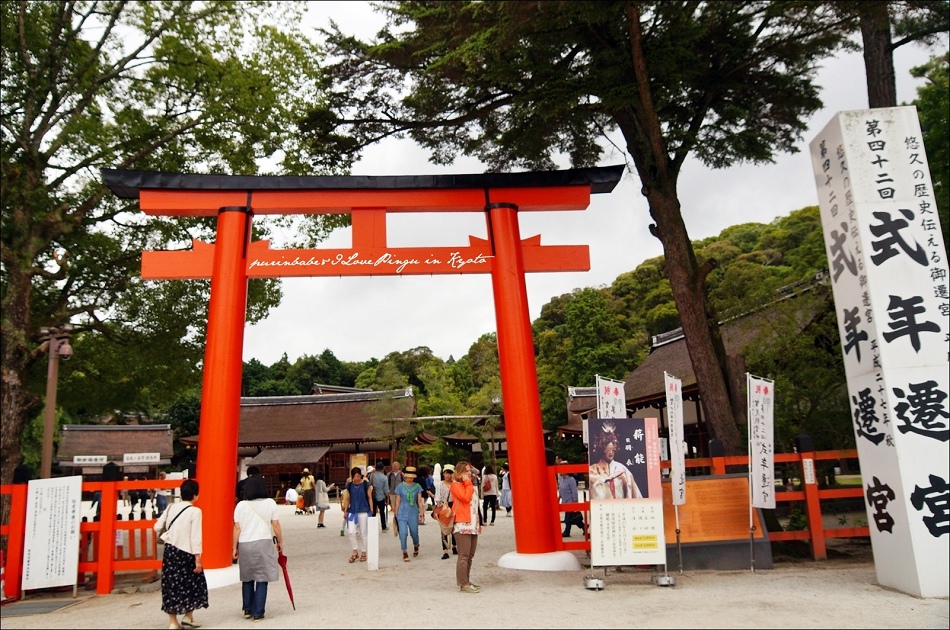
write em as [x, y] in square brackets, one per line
[487, 485]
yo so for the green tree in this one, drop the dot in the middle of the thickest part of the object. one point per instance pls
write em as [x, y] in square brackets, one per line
[880, 22]
[522, 84]
[933, 105]
[198, 86]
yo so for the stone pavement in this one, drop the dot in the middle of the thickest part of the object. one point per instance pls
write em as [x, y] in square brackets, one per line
[330, 592]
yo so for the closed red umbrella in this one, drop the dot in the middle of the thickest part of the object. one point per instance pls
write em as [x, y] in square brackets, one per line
[282, 561]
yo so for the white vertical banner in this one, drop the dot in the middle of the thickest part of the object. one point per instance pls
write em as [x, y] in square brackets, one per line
[51, 545]
[611, 401]
[888, 269]
[761, 399]
[674, 415]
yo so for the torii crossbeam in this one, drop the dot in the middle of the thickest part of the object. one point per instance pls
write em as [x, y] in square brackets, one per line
[233, 259]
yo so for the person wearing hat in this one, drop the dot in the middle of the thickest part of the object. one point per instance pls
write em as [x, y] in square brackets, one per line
[308, 486]
[409, 511]
[444, 498]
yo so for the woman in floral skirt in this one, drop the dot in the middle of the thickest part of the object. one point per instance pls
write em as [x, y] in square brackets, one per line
[184, 587]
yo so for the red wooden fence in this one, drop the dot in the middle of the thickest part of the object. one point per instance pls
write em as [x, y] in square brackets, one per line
[101, 558]
[810, 493]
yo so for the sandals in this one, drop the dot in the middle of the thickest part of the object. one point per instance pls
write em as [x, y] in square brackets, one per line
[354, 557]
[405, 556]
[415, 550]
[363, 557]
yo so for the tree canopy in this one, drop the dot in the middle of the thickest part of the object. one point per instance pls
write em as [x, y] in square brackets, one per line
[527, 84]
[211, 86]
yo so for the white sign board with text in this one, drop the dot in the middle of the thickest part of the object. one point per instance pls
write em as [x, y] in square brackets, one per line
[51, 542]
[889, 275]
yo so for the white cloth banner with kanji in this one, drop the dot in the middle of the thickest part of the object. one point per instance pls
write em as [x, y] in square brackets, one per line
[761, 395]
[611, 401]
[674, 415]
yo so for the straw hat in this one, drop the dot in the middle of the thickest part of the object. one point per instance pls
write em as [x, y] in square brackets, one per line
[409, 471]
[306, 471]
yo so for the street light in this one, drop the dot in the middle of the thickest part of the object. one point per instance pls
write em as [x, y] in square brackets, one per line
[58, 342]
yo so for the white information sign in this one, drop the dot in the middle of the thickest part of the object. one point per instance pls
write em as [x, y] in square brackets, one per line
[627, 531]
[674, 414]
[761, 399]
[100, 460]
[51, 543]
[141, 458]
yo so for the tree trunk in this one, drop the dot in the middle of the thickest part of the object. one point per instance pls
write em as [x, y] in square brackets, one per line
[697, 317]
[643, 133]
[878, 53]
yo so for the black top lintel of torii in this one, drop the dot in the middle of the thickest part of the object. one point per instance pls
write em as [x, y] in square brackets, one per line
[127, 184]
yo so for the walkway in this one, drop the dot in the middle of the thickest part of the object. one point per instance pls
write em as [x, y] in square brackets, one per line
[330, 593]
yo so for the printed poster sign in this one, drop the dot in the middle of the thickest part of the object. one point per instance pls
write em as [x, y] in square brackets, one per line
[51, 545]
[761, 399]
[674, 414]
[626, 492]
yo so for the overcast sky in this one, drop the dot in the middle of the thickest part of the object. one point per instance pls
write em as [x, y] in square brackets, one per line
[365, 317]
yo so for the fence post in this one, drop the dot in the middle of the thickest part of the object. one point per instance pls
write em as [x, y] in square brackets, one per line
[16, 532]
[816, 528]
[718, 454]
[105, 580]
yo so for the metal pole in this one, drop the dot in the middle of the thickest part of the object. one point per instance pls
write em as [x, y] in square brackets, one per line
[49, 410]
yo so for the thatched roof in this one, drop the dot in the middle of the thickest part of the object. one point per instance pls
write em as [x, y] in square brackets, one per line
[645, 385]
[321, 420]
[303, 455]
[114, 441]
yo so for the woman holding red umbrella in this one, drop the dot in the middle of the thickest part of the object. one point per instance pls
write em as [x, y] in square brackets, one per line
[256, 527]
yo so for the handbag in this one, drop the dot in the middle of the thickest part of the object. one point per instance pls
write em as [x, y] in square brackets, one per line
[323, 500]
[487, 485]
[160, 539]
[445, 517]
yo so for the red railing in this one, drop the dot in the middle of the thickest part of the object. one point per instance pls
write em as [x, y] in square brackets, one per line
[107, 546]
[810, 493]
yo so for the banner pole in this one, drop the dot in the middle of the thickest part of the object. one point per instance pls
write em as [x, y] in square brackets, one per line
[679, 547]
[748, 394]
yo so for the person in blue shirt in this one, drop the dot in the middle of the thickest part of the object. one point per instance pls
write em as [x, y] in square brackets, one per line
[357, 506]
[409, 511]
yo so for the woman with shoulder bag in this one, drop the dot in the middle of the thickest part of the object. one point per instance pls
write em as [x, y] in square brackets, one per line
[256, 528]
[467, 526]
[184, 587]
[443, 501]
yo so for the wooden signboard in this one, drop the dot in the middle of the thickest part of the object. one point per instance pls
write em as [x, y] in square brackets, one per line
[716, 509]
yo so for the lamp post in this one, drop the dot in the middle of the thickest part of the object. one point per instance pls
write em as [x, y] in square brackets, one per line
[58, 341]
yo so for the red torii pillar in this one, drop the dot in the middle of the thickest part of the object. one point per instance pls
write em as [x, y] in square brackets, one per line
[233, 259]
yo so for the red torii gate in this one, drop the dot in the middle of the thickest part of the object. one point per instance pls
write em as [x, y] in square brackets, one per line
[233, 259]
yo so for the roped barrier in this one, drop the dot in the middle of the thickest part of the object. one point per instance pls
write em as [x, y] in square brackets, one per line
[108, 546]
[811, 494]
